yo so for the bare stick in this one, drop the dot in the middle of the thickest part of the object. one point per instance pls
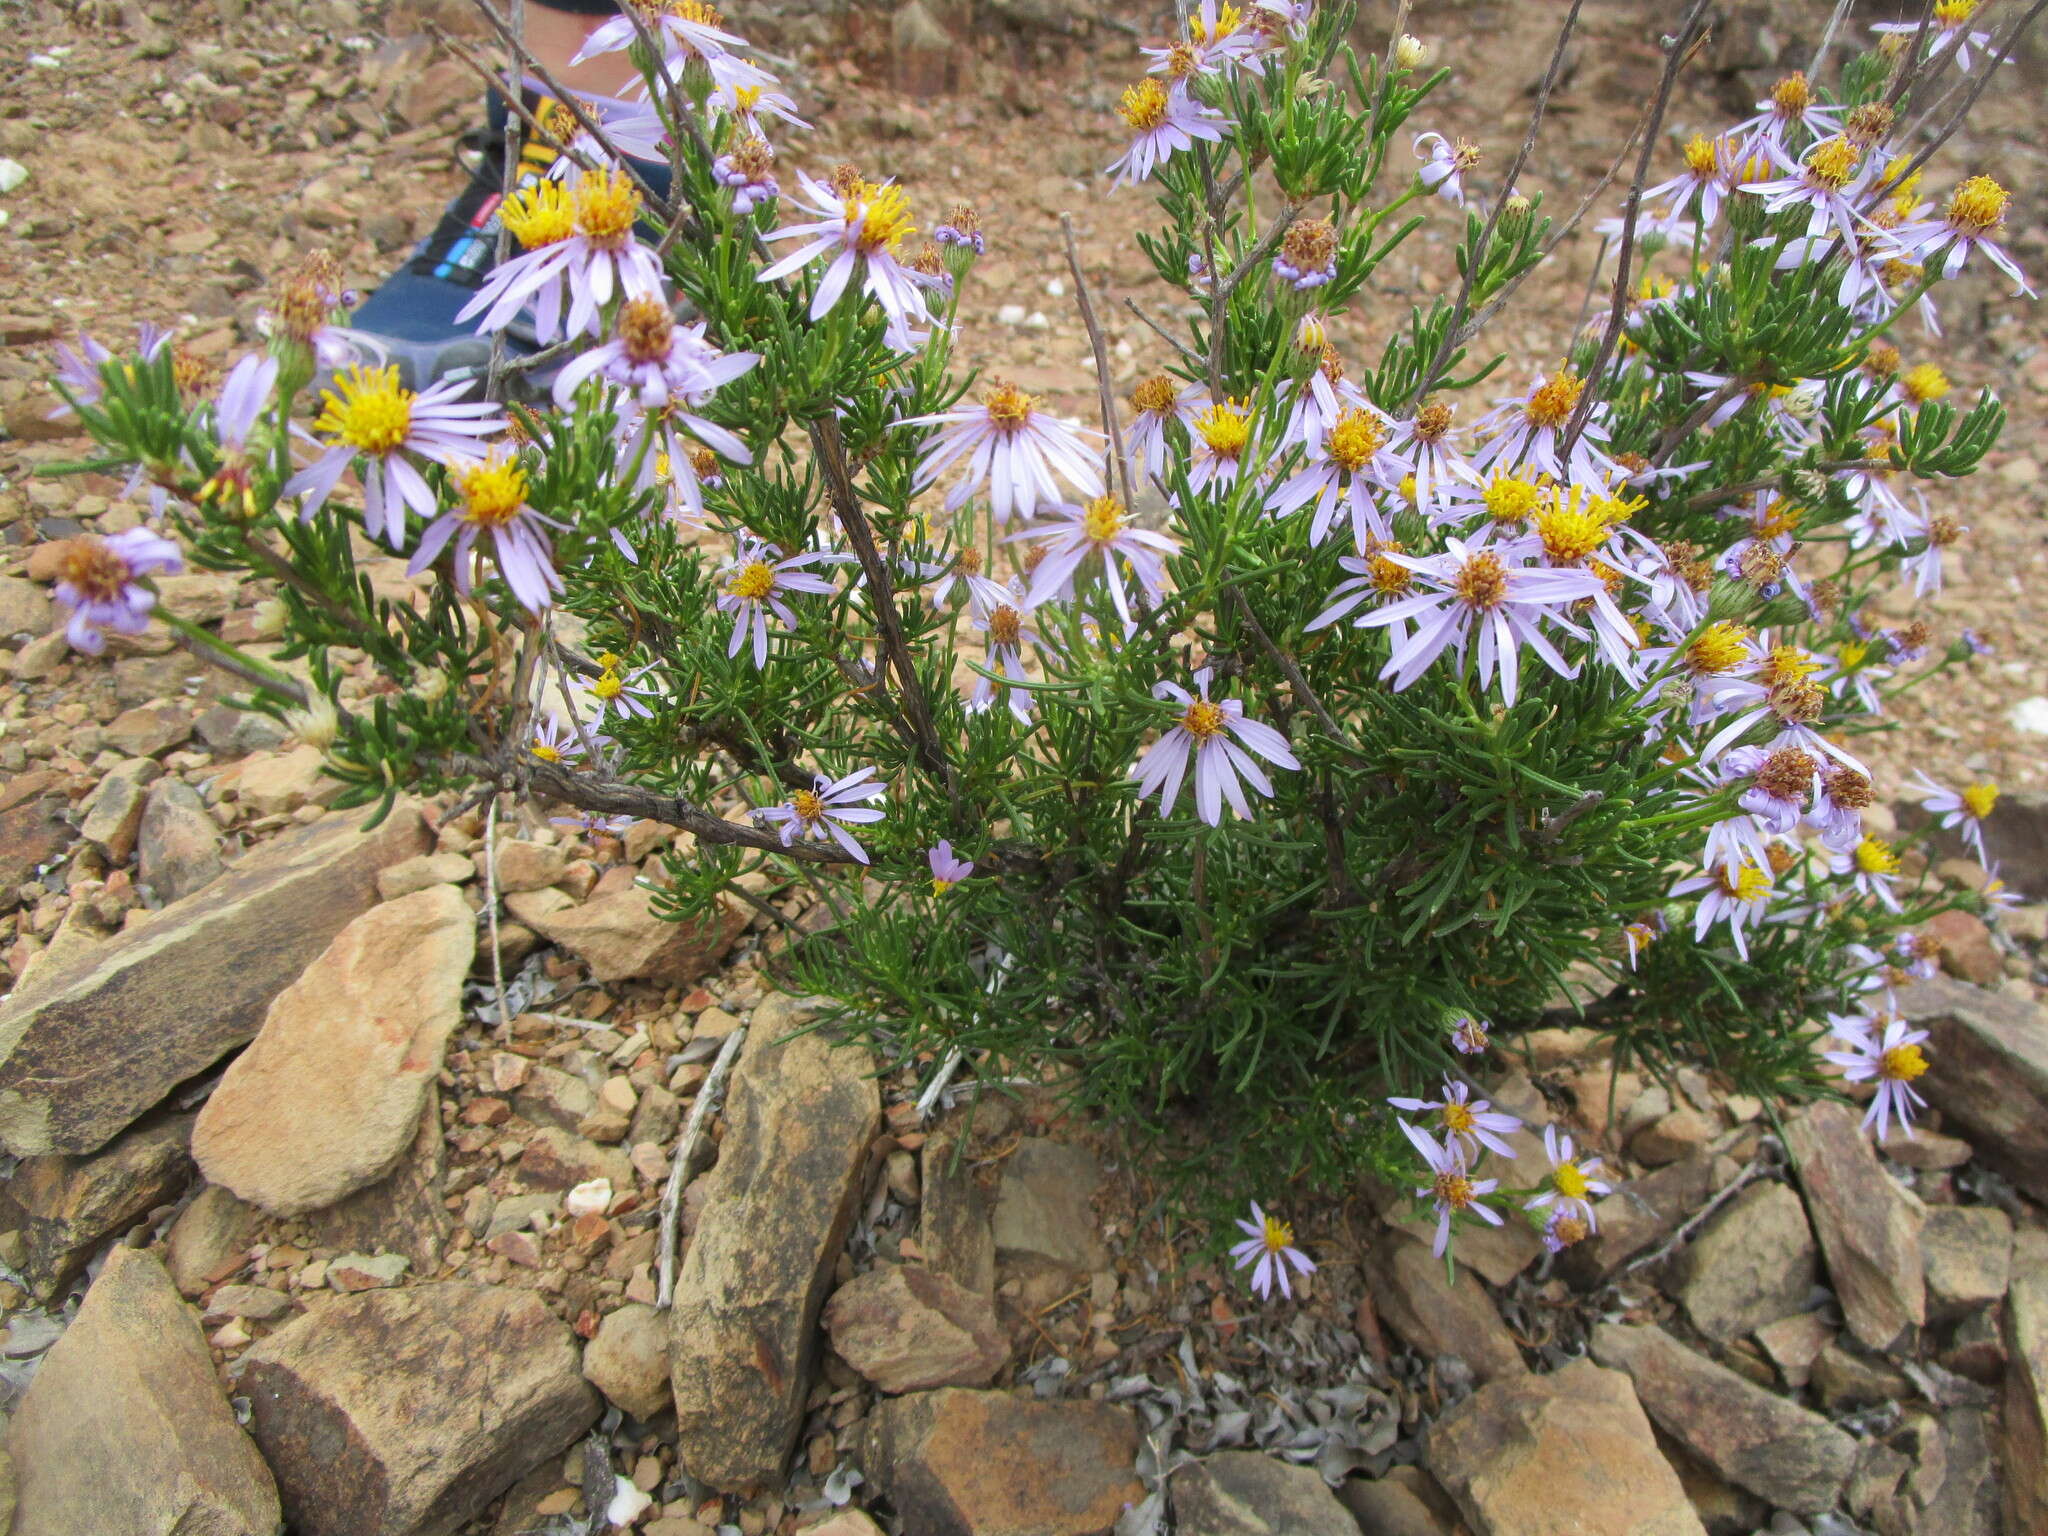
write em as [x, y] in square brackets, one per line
[1443, 353]
[1681, 50]
[686, 1152]
[1977, 89]
[1827, 38]
[1187, 353]
[1100, 348]
[1291, 671]
[491, 907]
[613, 797]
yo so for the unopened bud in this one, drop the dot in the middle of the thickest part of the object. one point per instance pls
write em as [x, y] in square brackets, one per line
[1514, 213]
[1412, 52]
[268, 618]
[316, 725]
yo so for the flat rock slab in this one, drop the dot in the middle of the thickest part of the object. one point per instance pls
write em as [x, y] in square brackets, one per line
[1246, 1493]
[1638, 1215]
[405, 1412]
[2025, 1448]
[1567, 1454]
[1990, 1073]
[104, 1038]
[960, 1463]
[125, 1428]
[621, 937]
[1438, 1315]
[1751, 1265]
[327, 1099]
[1757, 1440]
[71, 1205]
[743, 1330]
[1045, 1209]
[906, 1328]
[1869, 1226]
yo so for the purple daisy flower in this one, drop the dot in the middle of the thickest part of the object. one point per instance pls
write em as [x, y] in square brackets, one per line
[493, 495]
[1351, 460]
[818, 813]
[1975, 212]
[579, 244]
[1965, 808]
[1100, 528]
[1571, 1180]
[1012, 449]
[1950, 28]
[1270, 1241]
[755, 579]
[242, 400]
[1444, 165]
[1475, 587]
[1470, 1036]
[1737, 896]
[369, 413]
[861, 228]
[1154, 403]
[947, 870]
[99, 583]
[1205, 730]
[1827, 183]
[1892, 1059]
[1163, 121]
[1470, 1123]
[1008, 627]
[748, 173]
[1527, 431]
[1451, 1189]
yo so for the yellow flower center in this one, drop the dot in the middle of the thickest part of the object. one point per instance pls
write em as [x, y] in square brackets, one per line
[1005, 626]
[1832, 162]
[1923, 382]
[1569, 1181]
[1552, 404]
[1570, 527]
[372, 413]
[93, 569]
[1355, 438]
[1143, 105]
[1389, 578]
[1978, 799]
[1008, 407]
[607, 204]
[1702, 155]
[1901, 1064]
[1788, 664]
[1154, 395]
[1226, 427]
[539, 215]
[882, 217]
[1748, 884]
[608, 686]
[807, 805]
[1778, 518]
[1720, 647]
[940, 887]
[646, 329]
[1874, 856]
[1510, 499]
[1978, 206]
[1953, 13]
[1278, 1235]
[1456, 1117]
[1228, 19]
[754, 581]
[544, 752]
[1103, 520]
[1853, 654]
[1433, 421]
[745, 97]
[1483, 583]
[1453, 1189]
[492, 492]
[1202, 720]
[1792, 95]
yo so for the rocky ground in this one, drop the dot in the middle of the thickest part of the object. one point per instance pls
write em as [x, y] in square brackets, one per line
[321, 1224]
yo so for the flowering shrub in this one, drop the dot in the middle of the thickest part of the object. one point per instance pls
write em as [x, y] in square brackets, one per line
[1245, 755]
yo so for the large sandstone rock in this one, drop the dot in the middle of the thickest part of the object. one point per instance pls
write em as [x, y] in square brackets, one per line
[327, 1099]
[1406, 1502]
[799, 1119]
[109, 1035]
[405, 1412]
[1246, 1493]
[1989, 1073]
[125, 1428]
[71, 1205]
[179, 846]
[403, 1211]
[33, 832]
[1568, 1454]
[2025, 1449]
[1436, 1314]
[1639, 1215]
[1752, 1264]
[620, 936]
[1869, 1227]
[959, 1463]
[953, 1217]
[212, 1233]
[904, 1328]
[1044, 1208]
[1757, 1440]
[1966, 1251]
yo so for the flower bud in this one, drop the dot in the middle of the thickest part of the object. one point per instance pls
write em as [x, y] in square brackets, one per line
[1412, 52]
[268, 618]
[1514, 214]
[316, 725]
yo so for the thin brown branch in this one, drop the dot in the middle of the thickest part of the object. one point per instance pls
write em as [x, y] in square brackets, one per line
[1291, 670]
[1105, 393]
[1437, 364]
[1617, 317]
[612, 797]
